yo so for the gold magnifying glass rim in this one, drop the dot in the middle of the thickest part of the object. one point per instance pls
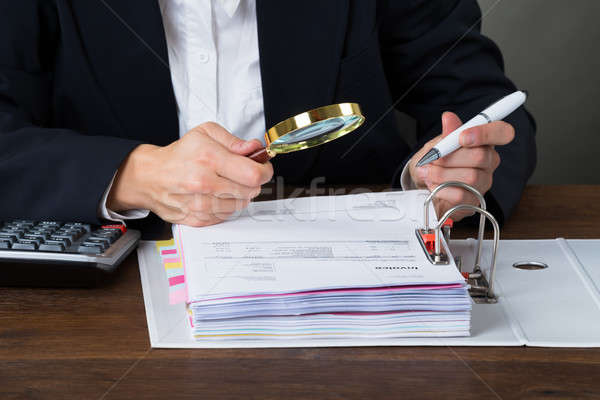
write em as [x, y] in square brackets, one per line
[308, 118]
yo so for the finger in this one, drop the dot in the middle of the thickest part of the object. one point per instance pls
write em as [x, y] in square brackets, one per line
[197, 220]
[227, 189]
[451, 197]
[209, 205]
[228, 140]
[450, 123]
[202, 179]
[174, 210]
[482, 157]
[442, 206]
[216, 156]
[478, 178]
[495, 133]
[250, 147]
[243, 170]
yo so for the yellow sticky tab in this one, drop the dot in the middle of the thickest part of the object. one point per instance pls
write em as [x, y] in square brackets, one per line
[164, 243]
[173, 265]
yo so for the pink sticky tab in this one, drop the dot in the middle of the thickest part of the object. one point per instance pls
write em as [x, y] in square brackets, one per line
[169, 251]
[171, 260]
[176, 280]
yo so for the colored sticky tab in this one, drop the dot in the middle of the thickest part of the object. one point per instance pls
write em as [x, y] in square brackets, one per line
[174, 271]
[176, 280]
[164, 243]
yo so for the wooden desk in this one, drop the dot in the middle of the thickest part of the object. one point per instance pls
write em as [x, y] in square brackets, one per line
[94, 344]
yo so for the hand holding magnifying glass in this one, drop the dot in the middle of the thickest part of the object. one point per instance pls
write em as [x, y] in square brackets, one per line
[310, 129]
[201, 179]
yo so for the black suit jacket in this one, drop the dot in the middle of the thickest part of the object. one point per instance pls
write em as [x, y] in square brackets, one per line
[82, 83]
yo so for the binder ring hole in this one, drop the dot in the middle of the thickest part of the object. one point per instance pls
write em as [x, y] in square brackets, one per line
[530, 265]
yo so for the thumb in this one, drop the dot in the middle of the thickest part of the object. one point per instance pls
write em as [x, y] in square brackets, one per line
[230, 141]
[450, 123]
[249, 147]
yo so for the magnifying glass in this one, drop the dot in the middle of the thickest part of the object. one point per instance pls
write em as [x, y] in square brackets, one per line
[310, 129]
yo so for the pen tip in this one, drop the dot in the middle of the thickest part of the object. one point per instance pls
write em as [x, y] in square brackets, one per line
[431, 155]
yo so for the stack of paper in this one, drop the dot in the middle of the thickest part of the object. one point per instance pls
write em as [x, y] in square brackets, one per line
[344, 266]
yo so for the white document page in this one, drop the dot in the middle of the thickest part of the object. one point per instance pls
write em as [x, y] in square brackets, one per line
[363, 240]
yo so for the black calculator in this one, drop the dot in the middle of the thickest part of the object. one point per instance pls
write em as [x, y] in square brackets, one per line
[59, 254]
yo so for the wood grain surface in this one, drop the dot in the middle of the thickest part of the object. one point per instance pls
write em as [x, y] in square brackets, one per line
[93, 344]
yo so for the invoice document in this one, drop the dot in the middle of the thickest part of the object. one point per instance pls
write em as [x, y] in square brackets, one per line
[315, 243]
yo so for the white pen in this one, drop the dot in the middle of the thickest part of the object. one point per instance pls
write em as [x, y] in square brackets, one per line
[497, 111]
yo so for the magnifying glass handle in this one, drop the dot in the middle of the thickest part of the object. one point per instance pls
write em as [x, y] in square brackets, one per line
[261, 156]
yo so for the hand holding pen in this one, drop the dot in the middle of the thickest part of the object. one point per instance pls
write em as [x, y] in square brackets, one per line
[465, 153]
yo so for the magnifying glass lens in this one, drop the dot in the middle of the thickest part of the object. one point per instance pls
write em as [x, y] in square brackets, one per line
[309, 129]
[308, 132]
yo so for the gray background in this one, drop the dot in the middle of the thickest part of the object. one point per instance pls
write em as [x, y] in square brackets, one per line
[551, 48]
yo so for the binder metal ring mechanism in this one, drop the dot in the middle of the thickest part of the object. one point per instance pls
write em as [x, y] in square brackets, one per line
[480, 287]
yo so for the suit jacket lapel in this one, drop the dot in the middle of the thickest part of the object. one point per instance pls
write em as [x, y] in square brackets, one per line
[300, 45]
[132, 65]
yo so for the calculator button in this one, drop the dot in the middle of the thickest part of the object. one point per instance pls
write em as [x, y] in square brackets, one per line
[5, 244]
[66, 238]
[57, 247]
[25, 245]
[42, 229]
[119, 227]
[114, 234]
[40, 237]
[45, 234]
[17, 233]
[9, 237]
[110, 233]
[62, 242]
[89, 249]
[86, 227]
[49, 223]
[75, 234]
[102, 245]
[105, 241]
[37, 242]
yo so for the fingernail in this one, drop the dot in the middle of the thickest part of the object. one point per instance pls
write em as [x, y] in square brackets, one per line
[468, 138]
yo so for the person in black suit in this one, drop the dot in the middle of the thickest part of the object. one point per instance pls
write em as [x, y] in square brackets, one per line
[83, 95]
